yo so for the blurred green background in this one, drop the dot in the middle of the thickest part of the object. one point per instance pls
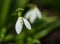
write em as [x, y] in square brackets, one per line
[50, 10]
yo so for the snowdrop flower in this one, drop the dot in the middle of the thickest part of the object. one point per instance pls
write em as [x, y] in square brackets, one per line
[19, 24]
[32, 14]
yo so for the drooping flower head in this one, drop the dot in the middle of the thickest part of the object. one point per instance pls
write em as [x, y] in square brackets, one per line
[20, 22]
[33, 13]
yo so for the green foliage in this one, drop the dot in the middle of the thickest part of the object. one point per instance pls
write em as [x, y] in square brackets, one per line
[8, 17]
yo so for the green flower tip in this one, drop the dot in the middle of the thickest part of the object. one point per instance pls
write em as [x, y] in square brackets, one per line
[19, 9]
[32, 6]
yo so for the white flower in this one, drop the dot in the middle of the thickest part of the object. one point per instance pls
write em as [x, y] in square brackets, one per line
[19, 24]
[33, 14]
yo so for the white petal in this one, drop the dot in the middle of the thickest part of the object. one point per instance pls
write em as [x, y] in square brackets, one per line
[19, 25]
[27, 24]
[33, 16]
[27, 15]
[38, 13]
